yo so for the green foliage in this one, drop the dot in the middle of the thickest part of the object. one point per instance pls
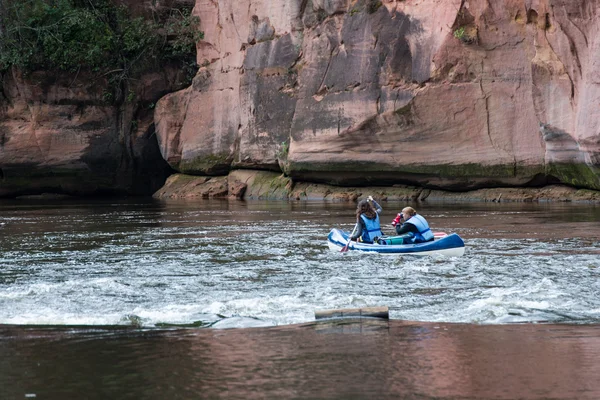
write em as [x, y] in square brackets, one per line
[466, 34]
[95, 35]
[130, 96]
[459, 33]
[182, 28]
[40, 34]
[283, 150]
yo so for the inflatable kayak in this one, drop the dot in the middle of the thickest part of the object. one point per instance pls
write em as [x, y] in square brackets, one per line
[448, 245]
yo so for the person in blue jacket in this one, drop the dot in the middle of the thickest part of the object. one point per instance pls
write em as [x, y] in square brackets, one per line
[412, 226]
[368, 228]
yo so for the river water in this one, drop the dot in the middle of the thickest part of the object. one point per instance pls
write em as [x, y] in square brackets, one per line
[130, 299]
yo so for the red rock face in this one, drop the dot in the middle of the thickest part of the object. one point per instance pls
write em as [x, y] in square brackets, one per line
[58, 134]
[438, 93]
[451, 94]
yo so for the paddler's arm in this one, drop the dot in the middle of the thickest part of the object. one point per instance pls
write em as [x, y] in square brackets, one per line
[375, 204]
[359, 229]
[406, 228]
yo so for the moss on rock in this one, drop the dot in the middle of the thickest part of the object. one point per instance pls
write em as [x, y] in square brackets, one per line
[210, 164]
[441, 170]
[269, 185]
[577, 175]
[266, 185]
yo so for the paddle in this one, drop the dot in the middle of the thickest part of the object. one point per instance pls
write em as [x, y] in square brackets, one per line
[345, 248]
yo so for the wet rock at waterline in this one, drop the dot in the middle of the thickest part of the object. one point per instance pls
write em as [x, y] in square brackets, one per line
[252, 185]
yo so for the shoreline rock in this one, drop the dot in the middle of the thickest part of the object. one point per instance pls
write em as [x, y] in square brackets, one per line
[264, 185]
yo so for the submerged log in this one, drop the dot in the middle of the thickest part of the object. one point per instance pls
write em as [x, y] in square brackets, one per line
[372, 312]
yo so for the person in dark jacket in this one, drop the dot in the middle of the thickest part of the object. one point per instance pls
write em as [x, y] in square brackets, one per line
[368, 228]
[412, 226]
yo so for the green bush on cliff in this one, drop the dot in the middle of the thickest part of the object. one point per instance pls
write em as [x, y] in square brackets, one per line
[96, 35]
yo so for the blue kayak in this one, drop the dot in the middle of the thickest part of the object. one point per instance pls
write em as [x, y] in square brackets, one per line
[450, 245]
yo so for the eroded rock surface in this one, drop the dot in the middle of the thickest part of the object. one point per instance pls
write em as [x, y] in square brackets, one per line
[59, 135]
[441, 94]
[447, 94]
[265, 185]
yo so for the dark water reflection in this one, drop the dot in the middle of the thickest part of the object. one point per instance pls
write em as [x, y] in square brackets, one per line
[350, 360]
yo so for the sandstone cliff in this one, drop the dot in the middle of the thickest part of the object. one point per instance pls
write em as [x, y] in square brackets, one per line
[58, 135]
[450, 94]
[66, 132]
[437, 94]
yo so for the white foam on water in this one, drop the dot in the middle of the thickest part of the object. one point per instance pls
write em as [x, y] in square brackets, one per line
[180, 265]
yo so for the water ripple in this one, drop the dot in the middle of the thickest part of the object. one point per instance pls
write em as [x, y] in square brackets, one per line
[264, 263]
